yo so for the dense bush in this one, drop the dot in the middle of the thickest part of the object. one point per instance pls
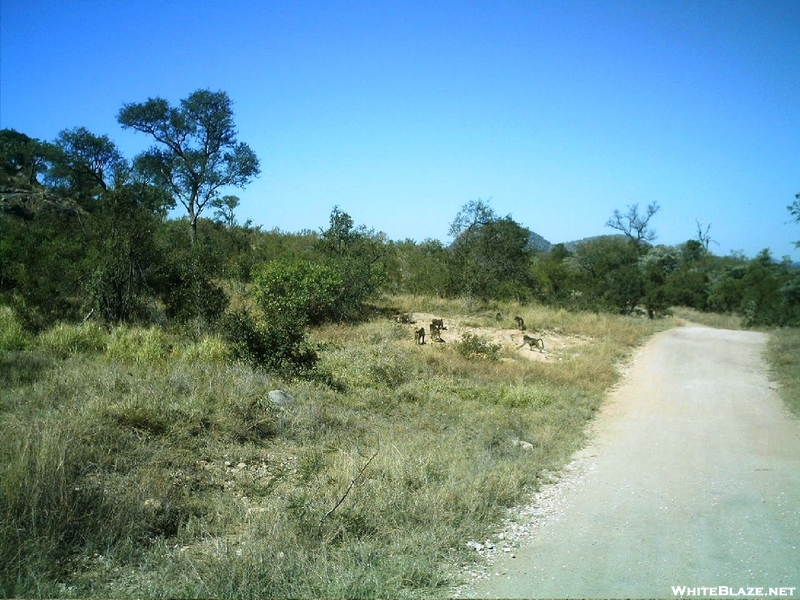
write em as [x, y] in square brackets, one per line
[297, 288]
[278, 345]
[473, 346]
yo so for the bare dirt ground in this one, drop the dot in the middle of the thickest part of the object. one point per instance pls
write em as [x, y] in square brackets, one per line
[556, 344]
[691, 478]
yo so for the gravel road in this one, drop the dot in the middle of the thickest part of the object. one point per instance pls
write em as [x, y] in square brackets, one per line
[691, 478]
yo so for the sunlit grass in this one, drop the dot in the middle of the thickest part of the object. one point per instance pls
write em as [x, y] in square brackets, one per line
[151, 466]
[716, 320]
[783, 354]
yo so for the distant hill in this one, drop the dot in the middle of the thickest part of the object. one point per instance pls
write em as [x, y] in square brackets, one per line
[572, 246]
[538, 243]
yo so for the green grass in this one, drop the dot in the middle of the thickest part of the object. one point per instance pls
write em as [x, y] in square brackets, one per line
[149, 466]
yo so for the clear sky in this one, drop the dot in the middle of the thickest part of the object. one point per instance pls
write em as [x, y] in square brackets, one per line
[400, 112]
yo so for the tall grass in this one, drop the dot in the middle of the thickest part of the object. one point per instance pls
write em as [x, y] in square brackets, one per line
[153, 469]
[783, 354]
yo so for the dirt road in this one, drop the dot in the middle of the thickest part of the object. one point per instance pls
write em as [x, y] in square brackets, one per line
[692, 478]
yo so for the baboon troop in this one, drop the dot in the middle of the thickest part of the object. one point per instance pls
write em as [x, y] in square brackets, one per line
[419, 335]
[520, 323]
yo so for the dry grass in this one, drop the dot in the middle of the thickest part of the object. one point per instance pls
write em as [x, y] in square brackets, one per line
[164, 471]
[719, 321]
[783, 354]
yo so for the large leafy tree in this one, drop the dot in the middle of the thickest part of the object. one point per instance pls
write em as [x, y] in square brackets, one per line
[608, 274]
[490, 256]
[83, 165]
[22, 159]
[197, 153]
[358, 255]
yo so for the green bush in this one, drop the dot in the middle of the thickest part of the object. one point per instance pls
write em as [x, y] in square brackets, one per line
[473, 346]
[278, 345]
[310, 292]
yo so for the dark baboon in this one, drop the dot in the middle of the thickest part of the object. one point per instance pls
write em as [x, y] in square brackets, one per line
[520, 323]
[435, 333]
[404, 318]
[498, 317]
[439, 323]
[419, 335]
[533, 342]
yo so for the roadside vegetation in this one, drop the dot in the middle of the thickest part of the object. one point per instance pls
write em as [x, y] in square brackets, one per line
[784, 358]
[135, 463]
[194, 407]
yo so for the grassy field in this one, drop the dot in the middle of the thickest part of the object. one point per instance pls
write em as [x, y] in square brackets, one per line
[134, 463]
[783, 354]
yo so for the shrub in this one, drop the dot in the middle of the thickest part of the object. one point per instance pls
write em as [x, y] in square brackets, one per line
[279, 345]
[311, 292]
[473, 346]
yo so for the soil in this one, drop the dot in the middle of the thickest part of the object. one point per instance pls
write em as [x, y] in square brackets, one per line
[691, 478]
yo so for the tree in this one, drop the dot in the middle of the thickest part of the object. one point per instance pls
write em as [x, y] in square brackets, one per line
[794, 209]
[225, 207]
[198, 153]
[634, 225]
[703, 236]
[357, 254]
[490, 256]
[608, 275]
[126, 257]
[83, 165]
[22, 159]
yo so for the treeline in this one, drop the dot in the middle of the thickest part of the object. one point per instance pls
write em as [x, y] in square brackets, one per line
[85, 233]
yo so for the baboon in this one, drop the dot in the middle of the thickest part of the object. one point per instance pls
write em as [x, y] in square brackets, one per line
[533, 342]
[419, 335]
[435, 333]
[498, 317]
[439, 323]
[520, 323]
[404, 318]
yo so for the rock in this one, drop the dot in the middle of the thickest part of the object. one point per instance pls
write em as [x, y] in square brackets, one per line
[279, 398]
[527, 446]
[476, 545]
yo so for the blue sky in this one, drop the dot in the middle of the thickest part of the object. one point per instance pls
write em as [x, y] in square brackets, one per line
[401, 112]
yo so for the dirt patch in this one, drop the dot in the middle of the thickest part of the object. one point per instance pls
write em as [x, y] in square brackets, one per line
[557, 345]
